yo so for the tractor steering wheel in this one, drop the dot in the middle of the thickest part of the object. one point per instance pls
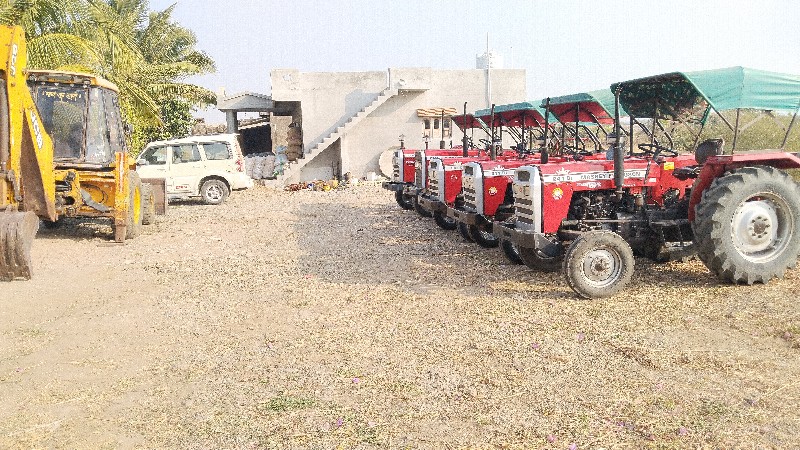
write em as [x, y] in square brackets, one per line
[486, 143]
[655, 149]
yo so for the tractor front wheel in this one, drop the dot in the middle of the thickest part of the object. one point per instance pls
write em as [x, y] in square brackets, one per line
[511, 251]
[598, 264]
[463, 230]
[538, 260]
[745, 225]
[483, 238]
[404, 200]
[419, 209]
[444, 221]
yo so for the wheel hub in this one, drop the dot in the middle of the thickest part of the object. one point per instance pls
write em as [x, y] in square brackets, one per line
[601, 266]
[755, 226]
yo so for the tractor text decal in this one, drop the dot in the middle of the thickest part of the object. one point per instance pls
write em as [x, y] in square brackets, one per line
[566, 177]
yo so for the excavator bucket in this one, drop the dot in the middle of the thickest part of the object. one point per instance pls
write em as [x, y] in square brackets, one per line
[17, 230]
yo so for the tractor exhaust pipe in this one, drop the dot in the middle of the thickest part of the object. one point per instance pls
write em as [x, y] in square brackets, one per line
[619, 155]
[492, 148]
[465, 140]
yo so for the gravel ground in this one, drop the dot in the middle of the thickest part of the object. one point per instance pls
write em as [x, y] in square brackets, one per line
[338, 320]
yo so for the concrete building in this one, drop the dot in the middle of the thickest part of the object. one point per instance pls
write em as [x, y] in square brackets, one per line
[348, 119]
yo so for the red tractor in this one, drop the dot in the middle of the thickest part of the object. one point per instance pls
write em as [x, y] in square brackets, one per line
[409, 177]
[487, 184]
[740, 212]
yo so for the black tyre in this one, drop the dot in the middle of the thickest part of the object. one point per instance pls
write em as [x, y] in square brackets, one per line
[746, 223]
[511, 251]
[483, 238]
[538, 260]
[404, 200]
[148, 205]
[598, 264]
[133, 222]
[419, 209]
[444, 221]
[214, 192]
[463, 230]
[52, 225]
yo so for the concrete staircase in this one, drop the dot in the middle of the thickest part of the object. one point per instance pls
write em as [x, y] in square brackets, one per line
[291, 171]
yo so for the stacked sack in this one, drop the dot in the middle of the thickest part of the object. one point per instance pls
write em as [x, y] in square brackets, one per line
[260, 165]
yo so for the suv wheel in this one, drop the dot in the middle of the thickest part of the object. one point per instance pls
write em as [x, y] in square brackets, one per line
[214, 192]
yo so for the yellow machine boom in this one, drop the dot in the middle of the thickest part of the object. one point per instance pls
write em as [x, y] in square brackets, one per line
[27, 186]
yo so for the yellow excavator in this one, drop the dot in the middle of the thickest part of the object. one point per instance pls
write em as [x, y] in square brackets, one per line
[63, 153]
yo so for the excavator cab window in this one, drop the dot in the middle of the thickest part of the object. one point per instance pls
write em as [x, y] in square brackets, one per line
[82, 122]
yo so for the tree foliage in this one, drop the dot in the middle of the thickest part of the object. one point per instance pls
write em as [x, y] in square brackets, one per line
[146, 54]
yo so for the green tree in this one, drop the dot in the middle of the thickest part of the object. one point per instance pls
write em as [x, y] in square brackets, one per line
[146, 54]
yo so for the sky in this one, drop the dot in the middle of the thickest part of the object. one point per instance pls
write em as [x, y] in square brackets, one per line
[566, 46]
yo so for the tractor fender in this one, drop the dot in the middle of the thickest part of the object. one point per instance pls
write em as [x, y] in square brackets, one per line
[716, 166]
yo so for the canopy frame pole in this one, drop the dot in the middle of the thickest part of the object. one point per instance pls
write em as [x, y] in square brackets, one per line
[735, 131]
[791, 124]
[545, 150]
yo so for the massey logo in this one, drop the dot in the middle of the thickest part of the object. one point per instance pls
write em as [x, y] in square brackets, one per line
[564, 176]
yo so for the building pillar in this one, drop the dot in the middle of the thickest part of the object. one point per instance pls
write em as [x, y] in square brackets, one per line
[233, 123]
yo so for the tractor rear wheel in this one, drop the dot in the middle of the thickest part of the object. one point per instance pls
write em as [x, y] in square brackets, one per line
[483, 238]
[404, 200]
[419, 209]
[745, 225]
[511, 251]
[444, 221]
[598, 264]
[463, 230]
[538, 260]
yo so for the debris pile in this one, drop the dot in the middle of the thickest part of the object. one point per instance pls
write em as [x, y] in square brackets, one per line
[316, 185]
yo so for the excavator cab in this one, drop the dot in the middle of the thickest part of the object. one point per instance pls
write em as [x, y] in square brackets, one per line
[81, 112]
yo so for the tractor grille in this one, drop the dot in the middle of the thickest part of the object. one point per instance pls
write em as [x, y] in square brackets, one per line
[435, 169]
[419, 169]
[397, 166]
[525, 205]
[472, 186]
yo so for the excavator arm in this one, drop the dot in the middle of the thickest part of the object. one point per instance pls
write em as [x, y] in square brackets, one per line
[27, 186]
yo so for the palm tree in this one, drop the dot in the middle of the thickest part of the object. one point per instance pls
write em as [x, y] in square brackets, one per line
[48, 26]
[147, 55]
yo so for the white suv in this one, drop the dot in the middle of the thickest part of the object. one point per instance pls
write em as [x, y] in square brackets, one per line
[209, 167]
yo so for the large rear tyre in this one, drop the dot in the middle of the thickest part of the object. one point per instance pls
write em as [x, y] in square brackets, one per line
[148, 205]
[483, 238]
[598, 264]
[419, 209]
[511, 251]
[17, 231]
[538, 260]
[463, 230]
[444, 221]
[745, 225]
[404, 200]
[133, 223]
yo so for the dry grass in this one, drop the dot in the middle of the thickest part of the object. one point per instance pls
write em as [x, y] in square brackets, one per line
[336, 320]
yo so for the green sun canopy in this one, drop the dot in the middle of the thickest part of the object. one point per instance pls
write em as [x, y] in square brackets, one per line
[595, 107]
[690, 94]
[514, 114]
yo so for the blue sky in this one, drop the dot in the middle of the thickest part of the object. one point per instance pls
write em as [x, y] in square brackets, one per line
[565, 46]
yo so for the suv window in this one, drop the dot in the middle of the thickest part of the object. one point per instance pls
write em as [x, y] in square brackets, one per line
[217, 151]
[185, 153]
[155, 155]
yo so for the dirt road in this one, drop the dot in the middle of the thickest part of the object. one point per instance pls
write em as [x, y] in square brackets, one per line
[337, 320]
